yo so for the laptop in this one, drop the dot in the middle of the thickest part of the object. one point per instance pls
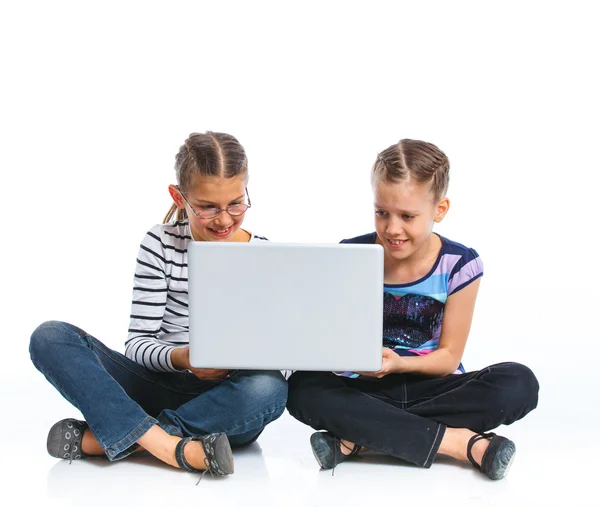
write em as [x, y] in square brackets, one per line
[285, 306]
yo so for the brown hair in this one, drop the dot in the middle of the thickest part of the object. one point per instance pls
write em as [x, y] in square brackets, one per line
[209, 154]
[424, 162]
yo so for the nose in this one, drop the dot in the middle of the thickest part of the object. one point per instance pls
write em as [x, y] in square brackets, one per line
[395, 227]
[224, 219]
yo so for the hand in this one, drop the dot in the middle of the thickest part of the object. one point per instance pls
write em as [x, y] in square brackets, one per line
[209, 373]
[180, 357]
[391, 363]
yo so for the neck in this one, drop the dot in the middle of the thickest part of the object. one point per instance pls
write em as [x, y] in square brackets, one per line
[414, 267]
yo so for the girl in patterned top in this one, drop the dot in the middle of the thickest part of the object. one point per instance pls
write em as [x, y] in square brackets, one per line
[415, 406]
[152, 398]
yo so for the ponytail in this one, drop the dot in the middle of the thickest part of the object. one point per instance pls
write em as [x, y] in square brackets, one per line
[180, 214]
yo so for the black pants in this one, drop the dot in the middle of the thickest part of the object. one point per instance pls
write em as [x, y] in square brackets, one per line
[406, 415]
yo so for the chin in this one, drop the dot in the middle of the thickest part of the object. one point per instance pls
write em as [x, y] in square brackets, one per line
[399, 255]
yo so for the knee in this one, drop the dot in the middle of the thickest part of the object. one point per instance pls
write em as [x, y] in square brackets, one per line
[266, 389]
[528, 385]
[523, 382]
[48, 338]
[519, 388]
[43, 338]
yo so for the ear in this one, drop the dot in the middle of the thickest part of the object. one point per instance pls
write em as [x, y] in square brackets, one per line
[176, 196]
[441, 209]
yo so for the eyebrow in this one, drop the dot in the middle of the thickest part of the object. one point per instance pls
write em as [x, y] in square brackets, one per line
[408, 212]
[202, 201]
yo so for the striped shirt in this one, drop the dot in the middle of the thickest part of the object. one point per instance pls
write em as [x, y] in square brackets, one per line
[159, 320]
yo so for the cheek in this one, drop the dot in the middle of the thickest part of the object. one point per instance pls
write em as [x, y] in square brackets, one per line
[201, 226]
[421, 228]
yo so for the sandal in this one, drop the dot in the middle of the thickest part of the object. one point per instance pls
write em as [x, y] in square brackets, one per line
[64, 439]
[497, 457]
[326, 449]
[218, 460]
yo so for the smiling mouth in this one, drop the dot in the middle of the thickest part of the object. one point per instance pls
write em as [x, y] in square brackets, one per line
[220, 232]
[396, 242]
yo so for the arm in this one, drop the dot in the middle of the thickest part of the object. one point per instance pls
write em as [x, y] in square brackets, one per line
[149, 301]
[147, 308]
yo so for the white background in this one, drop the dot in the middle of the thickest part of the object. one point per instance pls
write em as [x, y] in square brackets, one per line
[97, 97]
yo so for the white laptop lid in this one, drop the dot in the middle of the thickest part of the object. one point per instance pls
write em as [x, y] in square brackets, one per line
[285, 306]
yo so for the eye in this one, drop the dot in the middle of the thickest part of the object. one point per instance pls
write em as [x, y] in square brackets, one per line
[408, 217]
[381, 213]
[208, 207]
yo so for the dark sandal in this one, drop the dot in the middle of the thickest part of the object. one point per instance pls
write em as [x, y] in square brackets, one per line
[218, 460]
[64, 439]
[497, 457]
[326, 449]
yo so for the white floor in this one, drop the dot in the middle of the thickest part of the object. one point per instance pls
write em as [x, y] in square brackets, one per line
[555, 464]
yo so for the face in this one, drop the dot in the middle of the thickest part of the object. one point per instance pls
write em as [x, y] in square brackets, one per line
[212, 192]
[404, 216]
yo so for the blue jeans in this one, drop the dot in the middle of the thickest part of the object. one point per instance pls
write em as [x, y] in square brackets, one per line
[121, 399]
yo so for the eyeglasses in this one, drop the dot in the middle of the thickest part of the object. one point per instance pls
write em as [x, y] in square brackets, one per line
[211, 212]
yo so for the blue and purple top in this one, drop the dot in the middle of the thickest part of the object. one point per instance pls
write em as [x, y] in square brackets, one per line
[413, 312]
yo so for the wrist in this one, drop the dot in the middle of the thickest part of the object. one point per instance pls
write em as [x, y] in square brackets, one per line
[178, 359]
[438, 363]
[400, 365]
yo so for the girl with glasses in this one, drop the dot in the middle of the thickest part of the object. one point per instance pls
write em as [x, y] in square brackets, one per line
[421, 403]
[151, 397]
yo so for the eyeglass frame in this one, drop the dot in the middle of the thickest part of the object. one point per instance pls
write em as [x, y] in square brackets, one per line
[218, 210]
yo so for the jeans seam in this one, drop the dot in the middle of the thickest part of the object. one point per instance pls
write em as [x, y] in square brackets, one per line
[168, 427]
[432, 445]
[115, 449]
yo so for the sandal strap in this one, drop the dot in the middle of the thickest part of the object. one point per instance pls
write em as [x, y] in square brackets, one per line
[472, 441]
[180, 458]
[354, 450]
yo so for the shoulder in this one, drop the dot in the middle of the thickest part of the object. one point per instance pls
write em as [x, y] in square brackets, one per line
[461, 263]
[450, 247]
[172, 236]
[364, 239]
[256, 237]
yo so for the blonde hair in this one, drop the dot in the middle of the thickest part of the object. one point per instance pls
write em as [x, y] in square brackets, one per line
[420, 160]
[209, 154]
